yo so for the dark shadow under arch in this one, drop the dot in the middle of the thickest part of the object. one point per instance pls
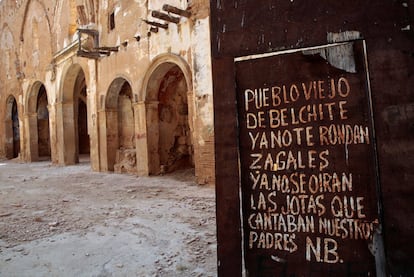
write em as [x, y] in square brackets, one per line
[12, 128]
[120, 125]
[169, 134]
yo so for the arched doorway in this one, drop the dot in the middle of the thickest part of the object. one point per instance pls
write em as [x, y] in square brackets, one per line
[169, 133]
[82, 111]
[43, 129]
[74, 132]
[120, 127]
[38, 120]
[12, 129]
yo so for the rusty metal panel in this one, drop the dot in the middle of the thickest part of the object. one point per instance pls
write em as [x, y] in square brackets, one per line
[241, 28]
[308, 168]
[229, 248]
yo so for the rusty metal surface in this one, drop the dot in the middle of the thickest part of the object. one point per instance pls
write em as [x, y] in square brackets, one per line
[307, 169]
[245, 27]
[229, 249]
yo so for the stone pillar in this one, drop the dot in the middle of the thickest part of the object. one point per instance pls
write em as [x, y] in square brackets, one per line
[94, 142]
[203, 142]
[66, 140]
[69, 134]
[103, 146]
[8, 125]
[141, 139]
[31, 148]
[59, 130]
[153, 134]
[93, 130]
[112, 140]
[191, 122]
[52, 133]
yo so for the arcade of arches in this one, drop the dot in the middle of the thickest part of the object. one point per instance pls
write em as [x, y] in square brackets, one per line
[166, 121]
[128, 100]
[167, 124]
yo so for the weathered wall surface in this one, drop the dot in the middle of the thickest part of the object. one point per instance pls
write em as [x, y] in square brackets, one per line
[39, 39]
[242, 28]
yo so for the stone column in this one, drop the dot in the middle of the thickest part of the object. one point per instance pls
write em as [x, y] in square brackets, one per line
[69, 134]
[8, 125]
[153, 134]
[112, 140]
[141, 138]
[66, 140]
[52, 132]
[93, 129]
[103, 147]
[59, 131]
[31, 148]
[191, 123]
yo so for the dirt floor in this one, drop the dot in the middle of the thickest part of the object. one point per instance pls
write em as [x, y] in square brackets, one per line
[70, 221]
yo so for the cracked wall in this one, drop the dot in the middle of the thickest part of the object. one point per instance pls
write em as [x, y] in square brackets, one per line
[41, 42]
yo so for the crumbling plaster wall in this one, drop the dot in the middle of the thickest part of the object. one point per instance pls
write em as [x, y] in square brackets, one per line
[40, 46]
[39, 31]
[10, 69]
[7, 87]
[140, 50]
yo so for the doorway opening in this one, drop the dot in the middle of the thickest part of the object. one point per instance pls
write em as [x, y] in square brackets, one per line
[120, 128]
[169, 134]
[43, 129]
[75, 117]
[12, 129]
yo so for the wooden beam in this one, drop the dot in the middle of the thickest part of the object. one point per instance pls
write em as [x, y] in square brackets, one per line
[107, 48]
[172, 9]
[165, 17]
[89, 55]
[156, 24]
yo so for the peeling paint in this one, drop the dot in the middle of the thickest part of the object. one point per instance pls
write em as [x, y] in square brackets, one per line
[137, 51]
[339, 56]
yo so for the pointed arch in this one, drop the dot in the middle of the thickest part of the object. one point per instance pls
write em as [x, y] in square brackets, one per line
[7, 44]
[7, 38]
[25, 14]
[36, 40]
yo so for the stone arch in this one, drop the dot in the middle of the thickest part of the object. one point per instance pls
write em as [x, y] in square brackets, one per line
[8, 51]
[35, 47]
[167, 61]
[69, 74]
[168, 100]
[72, 112]
[120, 126]
[25, 15]
[37, 113]
[12, 130]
